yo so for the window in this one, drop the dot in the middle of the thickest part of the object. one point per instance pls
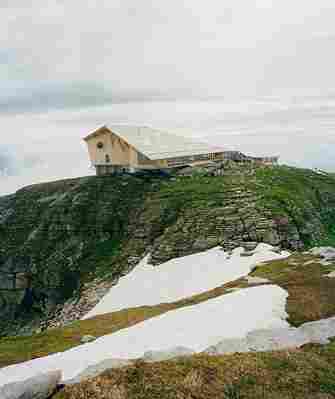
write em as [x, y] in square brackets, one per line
[100, 145]
[107, 158]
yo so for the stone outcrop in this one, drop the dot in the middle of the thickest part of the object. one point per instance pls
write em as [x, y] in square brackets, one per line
[317, 332]
[39, 387]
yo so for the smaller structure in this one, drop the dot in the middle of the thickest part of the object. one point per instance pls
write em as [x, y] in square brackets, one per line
[238, 156]
[114, 149]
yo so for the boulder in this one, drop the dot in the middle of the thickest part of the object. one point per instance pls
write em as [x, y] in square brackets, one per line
[276, 339]
[40, 387]
[319, 331]
[158, 356]
[261, 340]
[328, 253]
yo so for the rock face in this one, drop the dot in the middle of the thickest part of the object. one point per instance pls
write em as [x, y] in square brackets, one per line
[40, 387]
[53, 239]
[64, 244]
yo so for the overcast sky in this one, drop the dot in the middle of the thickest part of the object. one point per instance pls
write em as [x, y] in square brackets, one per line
[79, 54]
[61, 53]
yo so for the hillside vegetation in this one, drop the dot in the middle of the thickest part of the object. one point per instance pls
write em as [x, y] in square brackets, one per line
[56, 239]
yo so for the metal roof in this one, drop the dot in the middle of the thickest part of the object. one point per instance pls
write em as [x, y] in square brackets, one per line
[158, 144]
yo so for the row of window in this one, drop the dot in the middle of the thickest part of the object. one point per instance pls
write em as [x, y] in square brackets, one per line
[191, 158]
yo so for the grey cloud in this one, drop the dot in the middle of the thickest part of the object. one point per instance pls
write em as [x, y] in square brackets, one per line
[79, 95]
[120, 50]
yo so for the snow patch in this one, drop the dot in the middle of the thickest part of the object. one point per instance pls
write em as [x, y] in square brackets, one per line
[181, 278]
[196, 327]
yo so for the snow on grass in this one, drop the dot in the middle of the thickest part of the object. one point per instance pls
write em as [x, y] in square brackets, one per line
[180, 278]
[196, 327]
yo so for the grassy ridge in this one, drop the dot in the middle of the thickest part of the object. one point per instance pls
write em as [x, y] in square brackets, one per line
[302, 194]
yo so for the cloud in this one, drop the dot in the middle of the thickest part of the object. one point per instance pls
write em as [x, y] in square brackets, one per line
[7, 163]
[235, 71]
[71, 53]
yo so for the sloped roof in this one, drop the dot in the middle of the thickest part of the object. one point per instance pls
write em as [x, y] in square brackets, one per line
[158, 144]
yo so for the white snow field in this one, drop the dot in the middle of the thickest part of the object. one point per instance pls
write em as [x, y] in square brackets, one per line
[181, 278]
[196, 327]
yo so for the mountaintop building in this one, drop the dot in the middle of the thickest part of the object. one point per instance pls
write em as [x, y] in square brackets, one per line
[114, 149]
[120, 148]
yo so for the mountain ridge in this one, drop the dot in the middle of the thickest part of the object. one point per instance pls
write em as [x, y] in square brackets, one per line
[62, 239]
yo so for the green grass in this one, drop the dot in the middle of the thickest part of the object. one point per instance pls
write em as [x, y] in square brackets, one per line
[299, 194]
[311, 292]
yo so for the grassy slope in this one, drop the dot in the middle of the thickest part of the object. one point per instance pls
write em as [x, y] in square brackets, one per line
[311, 292]
[299, 193]
[311, 297]
[304, 373]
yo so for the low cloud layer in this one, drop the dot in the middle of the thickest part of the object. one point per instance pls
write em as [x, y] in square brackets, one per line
[57, 54]
[47, 146]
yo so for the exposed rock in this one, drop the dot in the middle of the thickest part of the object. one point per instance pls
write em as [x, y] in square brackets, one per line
[247, 253]
[202, 244]
[157, 356]
[272, 237]
[249, 246]
[278, 339]
[331, 274]
[319, 331]
[328, 253]
[39, 387]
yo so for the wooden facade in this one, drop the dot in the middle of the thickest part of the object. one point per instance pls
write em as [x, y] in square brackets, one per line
[110, 153]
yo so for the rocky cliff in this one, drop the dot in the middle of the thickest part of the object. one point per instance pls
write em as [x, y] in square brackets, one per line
[63, 244]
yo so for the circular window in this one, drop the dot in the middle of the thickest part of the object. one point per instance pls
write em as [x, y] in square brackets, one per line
[100, 145]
